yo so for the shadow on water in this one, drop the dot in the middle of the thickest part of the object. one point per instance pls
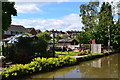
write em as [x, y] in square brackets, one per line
[105, 67]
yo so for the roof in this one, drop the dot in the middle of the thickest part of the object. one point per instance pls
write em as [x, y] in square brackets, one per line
[15, 38]
[29, 29]
[38, 30]
[17, 28]
[66, 40]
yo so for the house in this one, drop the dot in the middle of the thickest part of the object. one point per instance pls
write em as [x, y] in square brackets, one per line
[13, 30]
[67, 42]
[38, 31]
[31, 31]
[73, 34]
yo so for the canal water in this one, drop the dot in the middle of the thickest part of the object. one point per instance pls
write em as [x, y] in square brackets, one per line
[105, 67]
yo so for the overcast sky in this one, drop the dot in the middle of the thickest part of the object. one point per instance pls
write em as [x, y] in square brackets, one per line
[58, 15]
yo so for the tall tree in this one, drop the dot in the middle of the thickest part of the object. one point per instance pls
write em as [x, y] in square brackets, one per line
[116, 34]
[8, 10]
[88, 13]
[105, 23]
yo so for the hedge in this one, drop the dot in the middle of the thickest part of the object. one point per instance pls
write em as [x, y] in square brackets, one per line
[38, 64]
[43, 64]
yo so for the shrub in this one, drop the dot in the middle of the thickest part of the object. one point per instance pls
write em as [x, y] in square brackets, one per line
[40, 47]
[44, 35]
[38, 64]
[24, 45]
[91, 56]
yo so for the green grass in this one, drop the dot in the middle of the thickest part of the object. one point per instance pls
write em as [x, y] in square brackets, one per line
[66, 53]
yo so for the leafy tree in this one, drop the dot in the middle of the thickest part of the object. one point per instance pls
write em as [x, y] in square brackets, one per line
[98, 24]
[84, 37]
[40, 47]
[115, 34]
[88, 13]
[105, 23]
[8, 10]
[44, 35]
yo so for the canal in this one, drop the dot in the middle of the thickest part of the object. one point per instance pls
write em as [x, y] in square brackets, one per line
[105, 67]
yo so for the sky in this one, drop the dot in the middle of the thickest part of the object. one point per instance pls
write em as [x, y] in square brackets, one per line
[49, 15]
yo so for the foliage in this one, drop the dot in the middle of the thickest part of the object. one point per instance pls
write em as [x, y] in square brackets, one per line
[115, 35]
[105, 22]
[44, 35]
[92, 56]
[28, 34]
[84, 37]
[38, 64]
[8, 10]
[40, 47]
[23, 50]
[88, 13]
[24, 45]
[99, 25]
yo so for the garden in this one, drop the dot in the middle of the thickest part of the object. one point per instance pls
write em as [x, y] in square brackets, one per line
[30, 55]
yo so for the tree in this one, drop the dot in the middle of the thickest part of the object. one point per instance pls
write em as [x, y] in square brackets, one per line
[8, 10]
[84, 37]
[44, 35]
[115, 35]
[97, 24]
[105, 24]
[40, 47]
[88, 13]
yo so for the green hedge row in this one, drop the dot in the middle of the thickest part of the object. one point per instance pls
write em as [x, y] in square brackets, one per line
[38, 64]
[92, 56]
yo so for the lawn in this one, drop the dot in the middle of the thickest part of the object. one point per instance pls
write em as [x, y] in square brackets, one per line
[67, 53]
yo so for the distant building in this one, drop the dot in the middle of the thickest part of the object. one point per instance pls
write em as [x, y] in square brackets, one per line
[73, 34]
[38, 31]
[66, 42]
[31, 31]
[13, 30]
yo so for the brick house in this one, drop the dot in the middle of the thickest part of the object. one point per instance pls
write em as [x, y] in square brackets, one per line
[31, 31]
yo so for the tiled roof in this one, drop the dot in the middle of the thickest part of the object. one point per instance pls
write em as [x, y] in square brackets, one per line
[17, 28]
[29, 29]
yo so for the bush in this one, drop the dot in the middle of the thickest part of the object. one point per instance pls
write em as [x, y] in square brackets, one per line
[38, 64]
[40, 47]
[24, 45]
[92, 56]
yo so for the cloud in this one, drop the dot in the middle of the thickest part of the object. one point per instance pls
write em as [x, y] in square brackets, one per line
[69, 22]
[27, 8]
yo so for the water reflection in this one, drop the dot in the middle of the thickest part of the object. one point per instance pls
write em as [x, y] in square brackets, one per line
[106, 67]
